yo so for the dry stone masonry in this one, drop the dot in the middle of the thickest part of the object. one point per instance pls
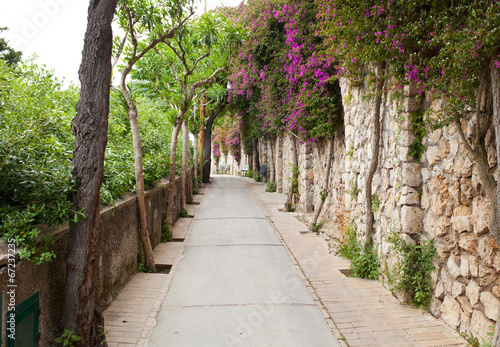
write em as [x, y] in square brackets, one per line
[439, 197]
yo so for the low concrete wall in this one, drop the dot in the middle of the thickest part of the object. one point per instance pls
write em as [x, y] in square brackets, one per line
[116, 262]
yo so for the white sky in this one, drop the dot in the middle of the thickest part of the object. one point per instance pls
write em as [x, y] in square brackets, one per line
[54, 30]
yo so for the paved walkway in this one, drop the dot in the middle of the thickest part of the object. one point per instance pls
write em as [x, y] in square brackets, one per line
[233, 284]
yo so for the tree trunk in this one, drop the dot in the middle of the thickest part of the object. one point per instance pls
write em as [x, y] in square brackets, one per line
[256, 160]
[250, 160]
[295, 177]
[185, 133]
[139, 188]
[326, 182]
[207, 149]
[271, 173]
[195, 162]
[372, 166]
[171, 182]
[90, 127]
[495, 204]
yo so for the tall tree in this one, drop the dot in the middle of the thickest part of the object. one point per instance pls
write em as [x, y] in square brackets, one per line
[195, 56]
[7, 53]
[90, 128]
[161, 21]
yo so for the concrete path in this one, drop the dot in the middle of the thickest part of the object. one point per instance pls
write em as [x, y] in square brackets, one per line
[242, 281]
[235, 284]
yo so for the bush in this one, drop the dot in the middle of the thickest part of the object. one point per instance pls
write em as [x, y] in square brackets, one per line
[271, 186]
[36, 147]
[412, 274]
[364, 259]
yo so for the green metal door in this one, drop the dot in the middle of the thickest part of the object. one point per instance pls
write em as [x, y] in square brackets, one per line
[26, 324]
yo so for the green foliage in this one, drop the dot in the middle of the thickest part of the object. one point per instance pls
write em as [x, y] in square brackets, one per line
[141, 267]
[417, 126]
[35, 157]
[68, 338]
[184, 213]
[155, 128]
[166, 234]
[257, 177]
[353, 189]
[271, 186]
[412, 274]
[36, 146]
[350, 152]
[375, 203]
[364, 259]
[7, 53]
[101, 335]
[250, 174]
[323, 195]
[317, 226]
[474, 341]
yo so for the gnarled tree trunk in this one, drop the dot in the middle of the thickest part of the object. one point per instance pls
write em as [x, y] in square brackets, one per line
[173, 166]
[207, 150]
[90, 127]
[185, 139]
[295, 176]
[195, 162]
[326, 182]
[372, 166]
[271, 174]
[256, 159]
[139, 185]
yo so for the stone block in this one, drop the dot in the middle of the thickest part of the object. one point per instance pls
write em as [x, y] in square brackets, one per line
[453, 265]
[458, 289]
[481, 212]
[435, 307]
[454, 190]
[451, 311]
[409, 196]
[440, 291]
[491, 305]
[444, 148]
[474, 266]
[443, 247]
[438, 203]
[436, 136]
[480, 324]
[411, 219]
[468, 242]
[432, 155]
[465, 305]
[463, 166]
[466, 191]
[464, 266]
[411, 174]
[487, 249]
[461, 221]
[486, 275]
[473, 291]
[425, 202]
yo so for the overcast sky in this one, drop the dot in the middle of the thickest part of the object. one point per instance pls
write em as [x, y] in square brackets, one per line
[54, 30]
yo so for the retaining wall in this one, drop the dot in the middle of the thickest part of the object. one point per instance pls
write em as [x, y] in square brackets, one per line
[116, 262]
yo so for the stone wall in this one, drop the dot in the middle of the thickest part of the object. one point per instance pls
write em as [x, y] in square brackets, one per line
[440, 197]
[116, 262]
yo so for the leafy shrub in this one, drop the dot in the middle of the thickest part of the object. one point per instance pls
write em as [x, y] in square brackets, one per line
[271, 186]
[36, 147]
[364, 259]
[412, 274]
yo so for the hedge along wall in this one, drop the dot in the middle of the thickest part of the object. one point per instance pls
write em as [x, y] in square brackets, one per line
[439, 197]
[116, 262]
